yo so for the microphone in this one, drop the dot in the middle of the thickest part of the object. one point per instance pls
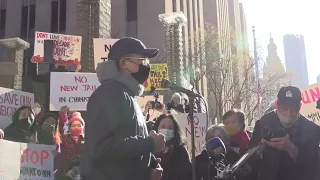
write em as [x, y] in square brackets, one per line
[153, 162]
[167, 84]
[213, 144]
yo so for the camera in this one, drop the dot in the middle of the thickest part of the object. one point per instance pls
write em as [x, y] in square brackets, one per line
[156, 104]
[268, 133]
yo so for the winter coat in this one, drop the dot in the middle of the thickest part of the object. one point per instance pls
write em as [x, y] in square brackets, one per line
[117, 143]
[276, 164]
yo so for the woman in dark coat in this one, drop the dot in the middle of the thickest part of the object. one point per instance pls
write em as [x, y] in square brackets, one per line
[23, 128]
[175, 159]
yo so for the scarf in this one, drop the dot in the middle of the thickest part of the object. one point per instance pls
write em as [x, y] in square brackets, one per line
[108, 70]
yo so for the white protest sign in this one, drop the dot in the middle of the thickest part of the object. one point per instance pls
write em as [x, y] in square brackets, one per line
[66, 48]
[101, 49]
[200, 129]
[37, 162]
[26, 161]
[310, 96]
[71, 89]
[10, 101]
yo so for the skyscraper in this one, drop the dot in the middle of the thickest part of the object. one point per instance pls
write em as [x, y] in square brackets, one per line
[295, 56]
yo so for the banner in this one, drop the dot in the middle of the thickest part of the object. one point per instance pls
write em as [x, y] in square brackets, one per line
[10, 101]
[200, 129]
[72, 89]
[310, 96]
[101, 49]
[142, 101]
[157, 73]
[66, 48]
[26, 161]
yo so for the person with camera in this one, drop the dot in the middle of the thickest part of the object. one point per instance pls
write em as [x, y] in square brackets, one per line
[118, 146]
[290, 141]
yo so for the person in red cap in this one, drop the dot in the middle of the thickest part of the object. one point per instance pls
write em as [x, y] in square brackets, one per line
[72, 142]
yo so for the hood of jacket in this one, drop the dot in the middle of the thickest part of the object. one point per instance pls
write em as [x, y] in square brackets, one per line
[108, 70]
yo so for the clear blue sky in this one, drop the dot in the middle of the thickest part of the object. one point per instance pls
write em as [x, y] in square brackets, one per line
[281, 17]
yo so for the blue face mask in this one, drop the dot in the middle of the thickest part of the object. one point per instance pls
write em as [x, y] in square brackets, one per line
[168, 133]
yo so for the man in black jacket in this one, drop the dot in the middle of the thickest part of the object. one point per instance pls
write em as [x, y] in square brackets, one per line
[117, 143]
[292, 150]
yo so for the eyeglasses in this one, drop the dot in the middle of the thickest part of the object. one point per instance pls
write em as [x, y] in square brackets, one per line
[144, 60]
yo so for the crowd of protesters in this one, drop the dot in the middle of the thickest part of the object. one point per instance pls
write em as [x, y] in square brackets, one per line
[119, 144]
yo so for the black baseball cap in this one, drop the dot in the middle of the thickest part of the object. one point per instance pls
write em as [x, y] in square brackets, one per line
[129, 45]
[289, 96]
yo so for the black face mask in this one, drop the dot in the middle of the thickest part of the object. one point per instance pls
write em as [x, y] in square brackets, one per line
[143, 74]
[26, 123]
[48, 127]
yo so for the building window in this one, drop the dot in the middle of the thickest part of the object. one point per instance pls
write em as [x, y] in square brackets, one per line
[132, 10]
[3, 12]
[28, 21]
[58, 16]
[174, 5]
[63, 16]
[182, 6]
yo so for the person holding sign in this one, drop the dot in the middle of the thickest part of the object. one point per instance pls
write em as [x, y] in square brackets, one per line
[117, 143]
[23, 128]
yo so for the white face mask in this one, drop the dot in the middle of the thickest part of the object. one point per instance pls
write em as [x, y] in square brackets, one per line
[287, 122]
[168, 133]
[37, 110]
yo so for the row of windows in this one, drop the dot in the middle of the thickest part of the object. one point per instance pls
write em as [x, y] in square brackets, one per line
[28, 15]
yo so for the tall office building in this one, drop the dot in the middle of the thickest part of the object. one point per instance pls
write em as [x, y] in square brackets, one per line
[140, 19]
[21, 18]
[295, 56]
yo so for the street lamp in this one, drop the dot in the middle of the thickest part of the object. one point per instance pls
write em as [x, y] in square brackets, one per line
[173, 23]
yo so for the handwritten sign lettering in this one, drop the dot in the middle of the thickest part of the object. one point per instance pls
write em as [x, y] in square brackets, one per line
[199, 129]
[26, 161]
[66, 48]
[157, 73]
[101, 48]
[10, 101]
[74, 91]
[310, 96]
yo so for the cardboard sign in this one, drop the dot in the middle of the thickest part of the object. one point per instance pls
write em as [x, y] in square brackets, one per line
[66, 48]
[71, 89]
[10, 101]
[26, 161]
[157, 73]
[142, 101]
[101, 49]
[310, 96]
[200, 129]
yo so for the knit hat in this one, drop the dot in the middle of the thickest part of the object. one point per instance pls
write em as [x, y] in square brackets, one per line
[76, 116]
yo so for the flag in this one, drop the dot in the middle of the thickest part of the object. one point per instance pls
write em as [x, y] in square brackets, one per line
[259, 93]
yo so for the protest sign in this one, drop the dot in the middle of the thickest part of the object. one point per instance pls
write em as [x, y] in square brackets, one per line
[66, 48]
[26, 161]
[10, 101]
[310, 96]
[157, 73]
[72, 89]
[101, 49]
[200, 129]
[142, 101]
